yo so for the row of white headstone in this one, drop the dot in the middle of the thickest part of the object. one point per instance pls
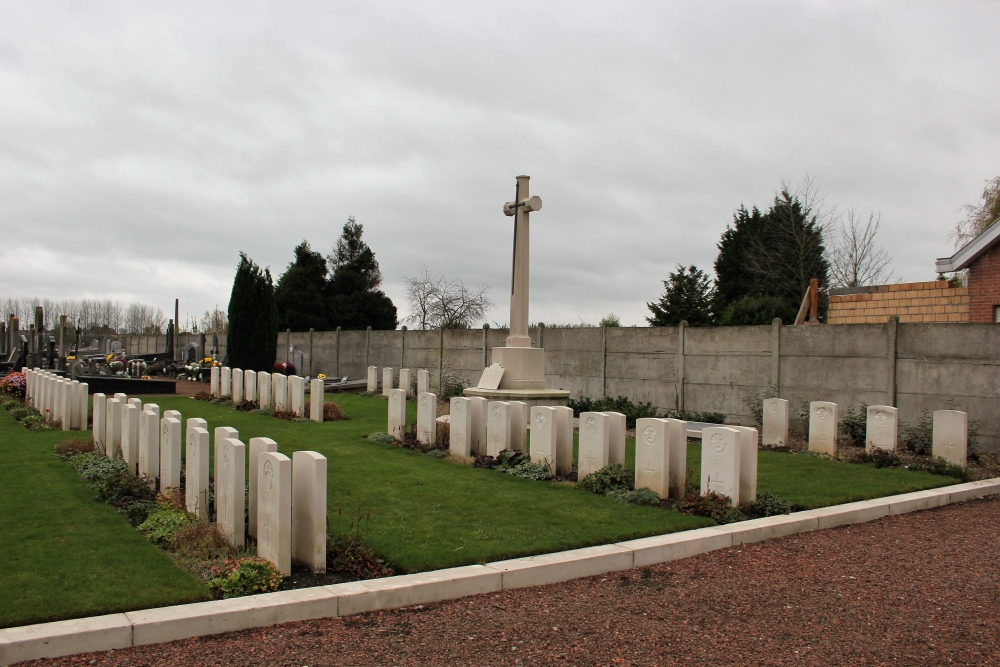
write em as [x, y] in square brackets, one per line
[281, 393]
[286, 497]
[949, 439]
[405, 380]
[58, 399]
[478, 426]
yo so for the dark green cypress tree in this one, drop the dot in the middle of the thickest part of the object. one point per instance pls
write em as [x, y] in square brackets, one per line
[687, 296]
[353, 298]
[299, 294]
[252, 342]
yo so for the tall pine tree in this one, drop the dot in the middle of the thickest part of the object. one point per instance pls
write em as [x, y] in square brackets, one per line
[687, 296]
[299, 294]
[252, 342]
[353, 298]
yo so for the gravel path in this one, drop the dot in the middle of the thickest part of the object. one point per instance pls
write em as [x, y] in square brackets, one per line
[918, 589]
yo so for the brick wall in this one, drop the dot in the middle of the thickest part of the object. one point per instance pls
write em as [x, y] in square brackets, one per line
[984, 286]
[935, 301]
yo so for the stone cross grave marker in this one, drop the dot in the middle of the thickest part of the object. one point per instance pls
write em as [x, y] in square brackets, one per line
[748, 463]
[196, 468]
[882, 428]
[497, 427]
[309, 510]
[237, 385]
[543, 437]
[491, 377]
[256, 447]
[950, 436]
[423, 381]
[775, 427]
[274, 510]
[652, 456]
[316, 398]
[720, 462]
[520, 208]
[397, 413]
[387, 376]
[427, 418]
[170, 453]
[230, 482]
[264, 391]
[595, 434]
[616, 438]
[460, 427]
[372, 386]
[823, 419]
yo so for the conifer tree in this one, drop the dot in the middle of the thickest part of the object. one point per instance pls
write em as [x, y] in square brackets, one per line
[687, 296]
[252, 341]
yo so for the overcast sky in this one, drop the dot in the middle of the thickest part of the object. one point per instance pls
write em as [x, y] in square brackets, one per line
[144, 145]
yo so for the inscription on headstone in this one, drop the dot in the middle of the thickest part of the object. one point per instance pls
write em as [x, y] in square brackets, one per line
[823, 419]
[950, 436]
[594, 442]
[882, 428]
[775, 427]
[460, 427]
[720, 462]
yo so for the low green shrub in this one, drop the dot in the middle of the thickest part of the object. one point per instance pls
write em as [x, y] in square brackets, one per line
[245, 406]
[530, 470]
[247, 576]
[767, 504]
[711, 505]
[162, 524]
[70, 448]
[136, 512]
[757, 310]
[855, 425]
[351, 555]
[688, 416]
[123, 488]
[643, 496]
[918, 437]
[878, 457]
[611, 479]
[939, 466]
[622, 404]
[382, 437]
[20, 413]
[96, 467]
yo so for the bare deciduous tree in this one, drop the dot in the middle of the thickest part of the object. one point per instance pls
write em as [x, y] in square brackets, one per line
[436, 302]
[979, 216]
[855, 257]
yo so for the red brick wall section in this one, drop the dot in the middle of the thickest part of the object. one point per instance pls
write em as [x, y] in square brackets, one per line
[984, 286]
[935, 301]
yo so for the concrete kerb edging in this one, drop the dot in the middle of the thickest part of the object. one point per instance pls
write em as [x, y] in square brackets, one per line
[149, 626]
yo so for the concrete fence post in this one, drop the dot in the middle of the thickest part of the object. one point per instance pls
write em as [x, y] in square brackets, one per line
[486, 346]
[776, 355]
[402, 348]
[336, 362]
[368, 347]
[441, 360]
[311, 331]
[891, 328]
[604, 361]
[681, 330]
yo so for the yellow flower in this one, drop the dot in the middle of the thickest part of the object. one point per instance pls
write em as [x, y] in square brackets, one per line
[321, 376]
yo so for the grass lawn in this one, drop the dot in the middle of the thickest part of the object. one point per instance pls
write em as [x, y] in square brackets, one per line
[68, 555]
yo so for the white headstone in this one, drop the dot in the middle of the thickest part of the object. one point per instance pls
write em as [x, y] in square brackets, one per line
[519, 426]
[152, 407]
[172, 414]
[406, 381]
[218, 435]
[388, 374]
[149, 445]
[882, 428]
[491, 377]
[137, 402]
[250, 386]
[564, 439]
[130, 437]
[226, 381]
[297, 395]
[99, 429]
[257, 446]
[677, 440]
[82, 390]
[230, 484]
[372, 386]
[309, 510]
[215, 385]
[423, 381]
[720, 462]
[823, 420]
[497, 427]
[652, 456]
[113, 439]
[237, 385]
[460, 427]
[264, 391]
[427, 418]
[274, 510]
[950, 436]
[196, 471]
[397, 413]
[616, 438]
[170, 453]
[477, 405]
[595, 434]
[748, 463]
[316, 400]
[280, 390]
[66, 404]
[775, 427]
[544, 442]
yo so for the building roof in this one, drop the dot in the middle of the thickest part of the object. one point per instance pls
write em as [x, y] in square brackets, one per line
[971, 251]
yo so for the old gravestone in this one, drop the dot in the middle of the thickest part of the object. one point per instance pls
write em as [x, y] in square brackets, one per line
[427, 418]
[220, 434]
[297, 395]
[226, 381]
[196, 468]
[279, 390]
[950, 436]
[775, 427]
[316, 398]
[387, 377]
[406, 381]
[748, 463]
[497, 427]
[230, 482]
[256, 447]
[720, 462]
[237, 385]
[397, 413]
[372, 385]
[543, 437]
[274, 510]
[250, 386]
[423, 381]
[81, 396]
[264, 385]
[882, 428]
[616, 438]
[215, 385]
[594, 442]
[823, 419]
[309, 510]
[460, 427]
[652, 456]
[170, 453]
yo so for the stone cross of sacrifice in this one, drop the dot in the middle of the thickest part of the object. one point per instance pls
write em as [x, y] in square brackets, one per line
[520, 208]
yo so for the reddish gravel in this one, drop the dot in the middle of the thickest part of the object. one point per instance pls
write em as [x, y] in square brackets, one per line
[919, 589]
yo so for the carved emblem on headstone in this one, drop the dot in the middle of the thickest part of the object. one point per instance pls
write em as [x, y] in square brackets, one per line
[269, 474]
[649, 434]
[496, 412]
[540, 420]
[459, 407]
[718, 443]
[821, 414]
[880, 418]
[773, 409]
[591, 424]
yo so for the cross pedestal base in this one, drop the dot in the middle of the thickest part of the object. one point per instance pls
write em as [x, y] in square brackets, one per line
[533, 397]
[523, 367]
